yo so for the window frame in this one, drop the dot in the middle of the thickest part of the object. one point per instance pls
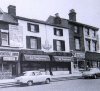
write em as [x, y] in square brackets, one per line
[58, 30]
[36, 27]
[95, 45]
[28, 42]
[79, 48]
[7, 38]
[88, 45]
[55, 45]
[76, 29]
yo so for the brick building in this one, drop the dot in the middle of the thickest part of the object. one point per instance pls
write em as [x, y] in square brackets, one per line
[57, 45]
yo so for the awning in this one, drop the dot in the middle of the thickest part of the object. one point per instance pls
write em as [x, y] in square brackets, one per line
[63, 58]
[92, 56]
[36, 57]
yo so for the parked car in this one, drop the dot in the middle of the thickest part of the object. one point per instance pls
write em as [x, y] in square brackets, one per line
[30, 77]
[91, 72]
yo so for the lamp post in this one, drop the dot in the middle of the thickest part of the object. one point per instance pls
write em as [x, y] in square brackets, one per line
[74, 55]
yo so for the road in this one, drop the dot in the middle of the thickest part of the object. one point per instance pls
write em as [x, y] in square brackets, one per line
[68, 85]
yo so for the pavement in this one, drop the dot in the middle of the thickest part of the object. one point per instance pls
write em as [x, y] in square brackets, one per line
[53, 78]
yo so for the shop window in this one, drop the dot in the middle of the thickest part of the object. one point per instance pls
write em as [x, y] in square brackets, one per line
[4, 39]
[58, 32]
[59, 45]
[33, 27]
[77, 43]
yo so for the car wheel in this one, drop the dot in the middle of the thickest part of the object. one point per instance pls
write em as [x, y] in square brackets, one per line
[94, 76]
[30, 83]
[47, 81]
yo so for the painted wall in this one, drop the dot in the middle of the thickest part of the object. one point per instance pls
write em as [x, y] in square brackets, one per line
[46, 32]
[91, 38]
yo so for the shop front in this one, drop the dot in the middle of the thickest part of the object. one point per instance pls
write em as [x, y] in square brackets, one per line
[8, 64]
[79, 61]
[61, 63]
[93, 59]
[35, 61]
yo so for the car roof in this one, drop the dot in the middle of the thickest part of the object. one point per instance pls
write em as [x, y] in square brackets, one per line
[31, 71]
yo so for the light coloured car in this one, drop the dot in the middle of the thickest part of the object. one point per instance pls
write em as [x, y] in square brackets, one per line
[30, 77]
[91, 72]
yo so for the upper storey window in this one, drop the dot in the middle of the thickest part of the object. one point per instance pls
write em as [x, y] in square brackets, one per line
[4, 39]
[87, 32]
[33, 27]
[58, 32]
[76, 29]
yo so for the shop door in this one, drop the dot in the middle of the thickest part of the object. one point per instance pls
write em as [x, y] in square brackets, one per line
[13, 69]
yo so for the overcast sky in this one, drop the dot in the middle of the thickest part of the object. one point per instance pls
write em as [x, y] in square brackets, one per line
[88, 11]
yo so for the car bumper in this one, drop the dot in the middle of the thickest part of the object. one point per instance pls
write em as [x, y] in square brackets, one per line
[88, 75]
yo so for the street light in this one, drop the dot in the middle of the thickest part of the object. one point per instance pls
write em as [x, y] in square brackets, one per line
[74, 55]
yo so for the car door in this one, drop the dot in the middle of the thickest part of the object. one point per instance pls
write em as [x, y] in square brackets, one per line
[40, 77]
[34, 77]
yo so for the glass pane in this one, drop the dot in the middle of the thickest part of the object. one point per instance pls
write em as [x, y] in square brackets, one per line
[77, 43]
[33, 43]
[4, 37]
[32, 28]
[58, 45]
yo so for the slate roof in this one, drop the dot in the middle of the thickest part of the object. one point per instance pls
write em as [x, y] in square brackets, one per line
[64, 22]
[5, 17]
[84, 25]
[49, 21]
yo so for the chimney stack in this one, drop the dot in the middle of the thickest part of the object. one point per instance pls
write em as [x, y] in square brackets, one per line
[72, 15]
[12, 10]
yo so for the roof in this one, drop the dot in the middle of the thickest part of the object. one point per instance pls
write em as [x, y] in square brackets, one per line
[5, 17]
[48, 22]
[64, 22]
[84, 25]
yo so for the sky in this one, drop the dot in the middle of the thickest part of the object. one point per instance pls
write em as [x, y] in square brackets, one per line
[88, 11]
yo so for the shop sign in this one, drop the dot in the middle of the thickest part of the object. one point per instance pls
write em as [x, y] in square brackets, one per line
[80, 55]
[9, 54]
[37, 58]
[62, 58]
[9, 58]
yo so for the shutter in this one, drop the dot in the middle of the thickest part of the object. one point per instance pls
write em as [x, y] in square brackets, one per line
[61, 32]
[54, 45]
[28, 41]
[28, 26]
[54, 31]
[63, 45]
[37, 28]
[38, 43]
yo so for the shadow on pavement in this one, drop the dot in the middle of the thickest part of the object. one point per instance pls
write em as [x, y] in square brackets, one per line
[8, 85]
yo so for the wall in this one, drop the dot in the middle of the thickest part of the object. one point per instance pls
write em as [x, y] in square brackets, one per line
[45, 32]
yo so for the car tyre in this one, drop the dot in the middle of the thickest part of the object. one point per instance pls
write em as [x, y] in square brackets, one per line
[47, 81]
[30, 83]
[94, 76]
